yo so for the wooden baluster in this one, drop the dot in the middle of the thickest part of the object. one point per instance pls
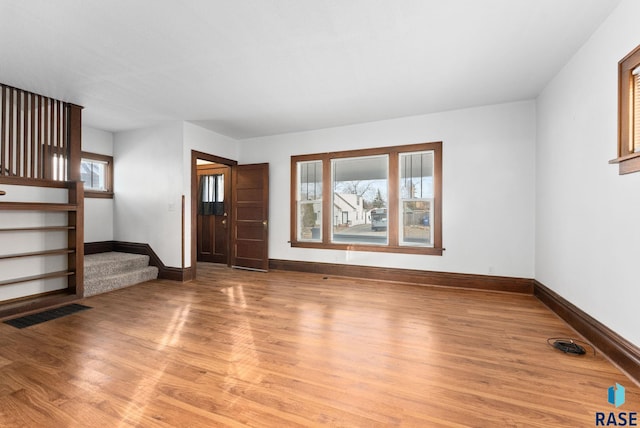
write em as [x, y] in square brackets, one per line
[39, 140]
[61, 137]
[3, 127]
[32, 158]
[11, 143]
[25, 135]
[52, 140]
[46, 160]
[18, 132]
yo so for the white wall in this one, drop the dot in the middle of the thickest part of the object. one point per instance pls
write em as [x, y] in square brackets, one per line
[587, 234]
[97, 141]
[98, 212]
[152, 171]
[205, 141]
[148, 186]
[488, 186]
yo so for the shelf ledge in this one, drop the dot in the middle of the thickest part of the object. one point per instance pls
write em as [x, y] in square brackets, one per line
[38, 253]
[50, 275]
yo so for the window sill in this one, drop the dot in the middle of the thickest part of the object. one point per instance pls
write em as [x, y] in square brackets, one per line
[628, 163]
[98, 194]
[430, 251]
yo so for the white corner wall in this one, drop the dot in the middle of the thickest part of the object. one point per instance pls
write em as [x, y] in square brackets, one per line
[98, 212]
[587, 234]
[488, 186]
[148, 186]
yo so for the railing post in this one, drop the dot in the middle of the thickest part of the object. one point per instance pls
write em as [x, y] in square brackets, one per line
[74, 139]
[76, 238]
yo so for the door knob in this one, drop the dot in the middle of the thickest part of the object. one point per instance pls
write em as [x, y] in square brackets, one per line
[224, 222]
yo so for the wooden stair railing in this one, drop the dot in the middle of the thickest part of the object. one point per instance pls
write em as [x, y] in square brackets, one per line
[40, 145]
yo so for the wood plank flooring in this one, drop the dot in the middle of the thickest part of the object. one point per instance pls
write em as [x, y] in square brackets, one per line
[238, 348]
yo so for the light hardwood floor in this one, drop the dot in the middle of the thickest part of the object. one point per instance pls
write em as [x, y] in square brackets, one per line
[237, 348]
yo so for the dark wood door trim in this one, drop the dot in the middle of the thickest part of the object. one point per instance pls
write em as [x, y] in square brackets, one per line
[195, 155]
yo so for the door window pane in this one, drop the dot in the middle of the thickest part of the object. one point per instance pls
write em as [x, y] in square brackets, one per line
[416, 199]
[309, 201]
[360, 189]
[211, 195]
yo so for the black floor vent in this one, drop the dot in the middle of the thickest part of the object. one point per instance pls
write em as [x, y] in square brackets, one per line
[51, 314]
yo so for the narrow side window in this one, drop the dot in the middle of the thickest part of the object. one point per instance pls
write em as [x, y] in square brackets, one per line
[96, 172]
[628, 158]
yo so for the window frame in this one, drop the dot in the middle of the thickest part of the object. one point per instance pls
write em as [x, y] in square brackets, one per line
[333, 236]
[108, 160]
[309, 202]
[402, 239]
[628, 160]
[393, 245]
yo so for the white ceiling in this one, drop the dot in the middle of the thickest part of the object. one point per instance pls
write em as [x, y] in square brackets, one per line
[248, 68]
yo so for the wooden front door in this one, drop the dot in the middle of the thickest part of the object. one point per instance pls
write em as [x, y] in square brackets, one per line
[214, 189]
[250, 217]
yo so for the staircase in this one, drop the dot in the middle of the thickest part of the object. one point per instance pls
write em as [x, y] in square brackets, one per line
[109, 271]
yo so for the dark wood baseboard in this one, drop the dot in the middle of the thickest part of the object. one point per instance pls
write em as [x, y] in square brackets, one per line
[620, 351]
[164, 272]
[443, 279]
[98, 247]
[31, 304]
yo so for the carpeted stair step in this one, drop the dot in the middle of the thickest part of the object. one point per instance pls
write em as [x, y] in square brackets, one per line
[109, 271]
[102, 284]
[105, 264]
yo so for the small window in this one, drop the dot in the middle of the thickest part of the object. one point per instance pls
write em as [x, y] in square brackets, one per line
[629, 113]
[96, 172]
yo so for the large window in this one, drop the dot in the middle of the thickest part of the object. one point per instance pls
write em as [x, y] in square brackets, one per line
[359, 185]
[386, 199]
[629, 113]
